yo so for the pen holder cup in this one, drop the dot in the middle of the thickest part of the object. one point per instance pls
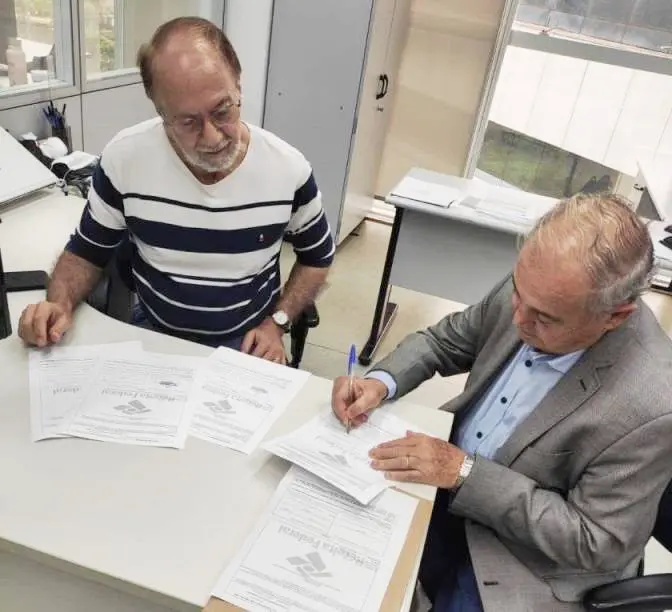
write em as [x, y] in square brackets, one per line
[65, 135]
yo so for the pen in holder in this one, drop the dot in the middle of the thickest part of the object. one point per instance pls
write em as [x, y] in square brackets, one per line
[64, 134]
[59, 127]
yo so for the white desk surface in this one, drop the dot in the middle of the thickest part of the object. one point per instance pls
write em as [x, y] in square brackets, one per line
[657, 175]
[157, 523]
[464, 214]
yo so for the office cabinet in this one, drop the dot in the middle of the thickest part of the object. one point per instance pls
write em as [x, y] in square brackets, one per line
[331, 81]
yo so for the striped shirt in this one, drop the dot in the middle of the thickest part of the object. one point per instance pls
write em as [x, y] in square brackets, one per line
[205, 258]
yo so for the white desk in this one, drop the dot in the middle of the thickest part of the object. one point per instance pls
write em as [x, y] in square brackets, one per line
[655, 181]
[89, 526]
[454, 253]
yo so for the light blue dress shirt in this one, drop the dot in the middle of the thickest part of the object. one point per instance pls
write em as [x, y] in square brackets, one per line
[521, 385]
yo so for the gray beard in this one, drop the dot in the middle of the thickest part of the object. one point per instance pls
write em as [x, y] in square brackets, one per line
[197, 161]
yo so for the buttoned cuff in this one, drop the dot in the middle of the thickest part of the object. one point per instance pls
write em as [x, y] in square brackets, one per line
[386, 379]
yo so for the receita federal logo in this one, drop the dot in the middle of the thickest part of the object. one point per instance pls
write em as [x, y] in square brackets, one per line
[220, 407]
[133, 407]
[311, 567]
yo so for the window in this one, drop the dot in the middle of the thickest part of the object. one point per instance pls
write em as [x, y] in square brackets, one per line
[115, 29]
[514, 159]
[643, 26]
[35, 45]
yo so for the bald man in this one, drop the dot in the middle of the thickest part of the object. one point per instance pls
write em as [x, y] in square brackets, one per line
[202, 201]
[561, 446]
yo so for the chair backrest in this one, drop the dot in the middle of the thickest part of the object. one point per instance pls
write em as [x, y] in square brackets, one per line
[662, 530]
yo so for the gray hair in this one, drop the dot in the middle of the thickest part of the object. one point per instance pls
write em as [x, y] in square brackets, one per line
[608, 238]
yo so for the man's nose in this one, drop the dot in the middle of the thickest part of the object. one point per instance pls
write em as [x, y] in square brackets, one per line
[210, 136]
[521, 315]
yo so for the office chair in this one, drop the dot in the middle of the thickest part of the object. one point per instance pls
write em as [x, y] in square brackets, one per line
[114, 297]
[643, 593]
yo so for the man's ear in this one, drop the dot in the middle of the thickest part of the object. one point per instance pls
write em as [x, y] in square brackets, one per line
[620, 314]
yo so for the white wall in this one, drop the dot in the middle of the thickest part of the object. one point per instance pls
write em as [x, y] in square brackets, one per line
[609, 114]
[106, 112]
[247, 23]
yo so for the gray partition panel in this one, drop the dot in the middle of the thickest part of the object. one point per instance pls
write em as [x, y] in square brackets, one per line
[451, 259]
[316, 59]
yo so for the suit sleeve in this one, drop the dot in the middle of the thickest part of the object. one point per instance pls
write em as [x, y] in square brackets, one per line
[607, 515]
[447, 348]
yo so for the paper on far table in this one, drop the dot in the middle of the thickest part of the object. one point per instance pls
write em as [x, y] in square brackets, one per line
[506, 204]
[237, 397]
[316, 550]
[139, 399]
[59, 376]
[427, 192]
[322, 447]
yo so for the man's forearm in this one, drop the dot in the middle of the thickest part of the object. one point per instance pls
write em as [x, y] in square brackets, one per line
[301, 289]
[72, 280]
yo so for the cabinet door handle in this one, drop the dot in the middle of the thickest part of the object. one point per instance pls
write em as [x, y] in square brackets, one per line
[386, 84]
[381, 86]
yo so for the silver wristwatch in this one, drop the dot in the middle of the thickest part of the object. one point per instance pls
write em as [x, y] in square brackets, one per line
[465, 470]
[281, 319]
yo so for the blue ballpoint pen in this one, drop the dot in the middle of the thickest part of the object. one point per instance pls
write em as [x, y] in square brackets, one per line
[352, 358]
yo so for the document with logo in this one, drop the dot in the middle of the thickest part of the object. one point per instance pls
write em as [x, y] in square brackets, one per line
[317, 550]
[322, 447]
[59, 379]
[140, 399]
[236, 398]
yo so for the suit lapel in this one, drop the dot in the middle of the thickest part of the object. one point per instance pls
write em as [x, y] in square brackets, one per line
[571, 391]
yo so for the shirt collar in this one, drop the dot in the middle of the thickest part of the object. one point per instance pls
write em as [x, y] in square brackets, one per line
[560, 363]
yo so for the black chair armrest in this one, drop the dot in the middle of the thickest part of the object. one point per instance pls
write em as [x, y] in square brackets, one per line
[642, 594]
[309, 317]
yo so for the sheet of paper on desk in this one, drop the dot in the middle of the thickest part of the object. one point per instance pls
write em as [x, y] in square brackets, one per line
[322, 447]
[236, 398]
[59, 379]
[139, 399]
[424, 191]
[506, 204]
[315, 549]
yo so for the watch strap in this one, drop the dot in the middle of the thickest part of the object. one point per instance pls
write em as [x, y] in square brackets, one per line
[464, 471]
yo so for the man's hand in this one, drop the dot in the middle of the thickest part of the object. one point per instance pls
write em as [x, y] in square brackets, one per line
[367, 394]
[419, 458]
[44, 323]
[265, 341]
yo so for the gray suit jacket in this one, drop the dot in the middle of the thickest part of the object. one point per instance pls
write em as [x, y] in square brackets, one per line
[570, 499]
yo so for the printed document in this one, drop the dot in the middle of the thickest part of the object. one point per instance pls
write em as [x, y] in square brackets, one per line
[140, 399]
[59, 378]
[237, 397]
[427, 192]
[316, 550]
[322, 447]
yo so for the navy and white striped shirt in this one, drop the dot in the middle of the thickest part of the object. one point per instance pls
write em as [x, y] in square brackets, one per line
[205, 258]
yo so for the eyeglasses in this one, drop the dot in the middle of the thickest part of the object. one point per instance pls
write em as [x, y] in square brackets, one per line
[222, 117]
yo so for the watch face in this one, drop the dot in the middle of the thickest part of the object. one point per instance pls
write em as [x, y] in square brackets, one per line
[280, 317]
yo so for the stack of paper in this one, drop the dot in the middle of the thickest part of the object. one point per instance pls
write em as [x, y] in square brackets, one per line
[113, 393]
[322, 447]
[426, 192]
[119, 393]
[315, 549]
[506, 204]
[236, 398]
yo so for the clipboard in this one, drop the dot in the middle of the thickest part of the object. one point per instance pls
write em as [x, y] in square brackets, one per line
[396, 589]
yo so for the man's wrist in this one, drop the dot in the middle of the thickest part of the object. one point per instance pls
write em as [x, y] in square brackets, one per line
[464, 471]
